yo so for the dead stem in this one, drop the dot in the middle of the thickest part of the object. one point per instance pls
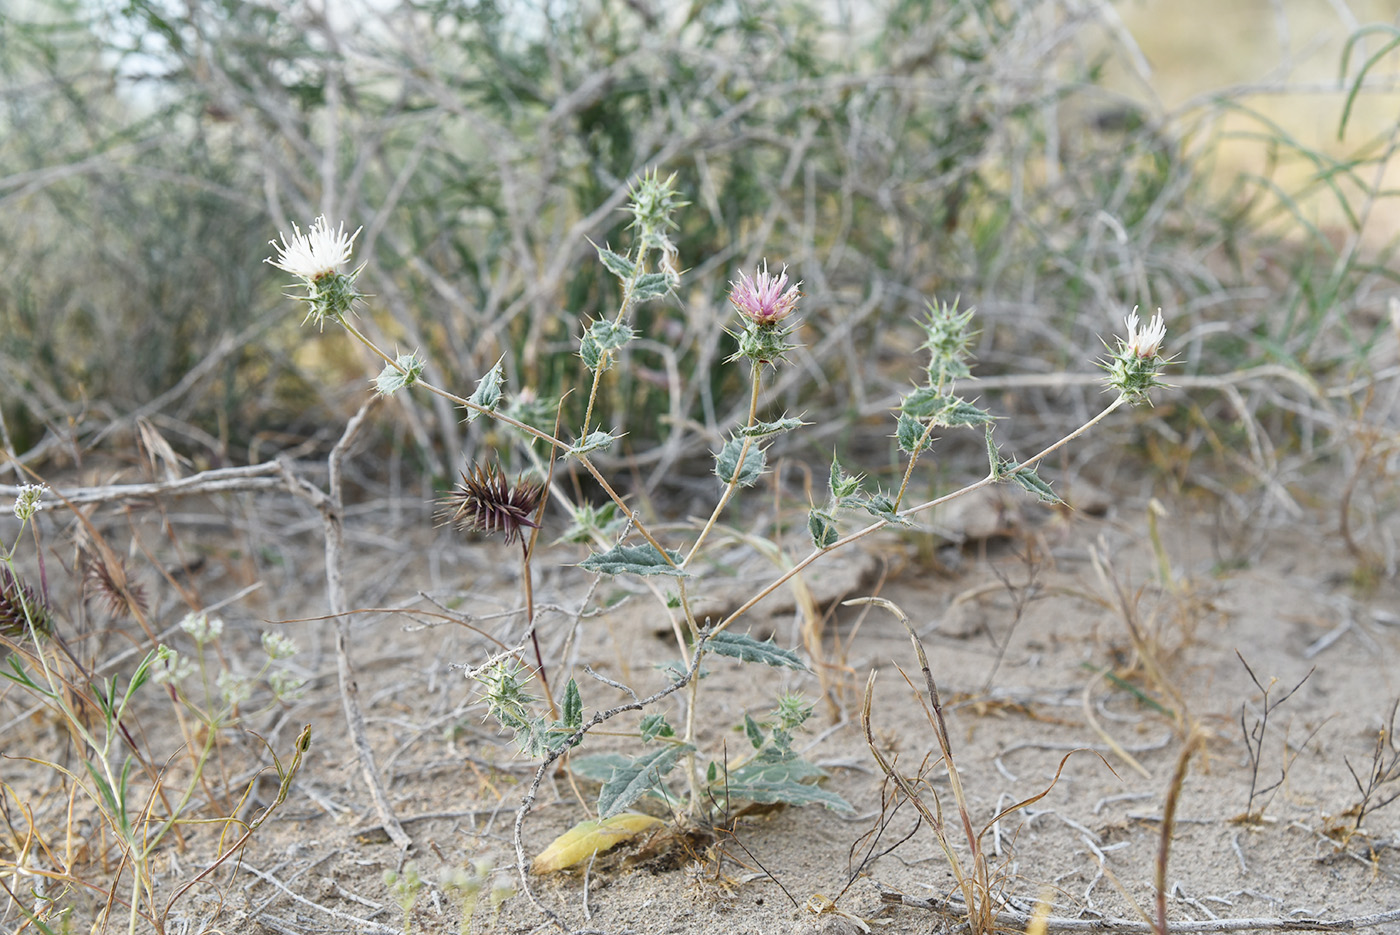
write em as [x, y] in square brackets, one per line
[331, 506]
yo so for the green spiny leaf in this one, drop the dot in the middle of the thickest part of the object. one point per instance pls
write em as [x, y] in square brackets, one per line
[909, 431]
[593, 442]
[405, 371]
[843, 485]
[640, 776]
[822, 527]
[589, 351]
[621, 267]
[488, 392]
[573, 707]
[610, 335]
[644, 559]
[727, 463]
[922, 402]
[959, 412]
[764, 429]
[746, 648]
[656, 725]
[1028, 479]
[651, 286]
[753, 731]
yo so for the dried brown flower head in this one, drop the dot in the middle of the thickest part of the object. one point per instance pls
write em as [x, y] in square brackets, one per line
[113, 588]
[19, 605]
[486, 502]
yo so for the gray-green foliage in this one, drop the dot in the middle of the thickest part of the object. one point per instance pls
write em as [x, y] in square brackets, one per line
[489, 150]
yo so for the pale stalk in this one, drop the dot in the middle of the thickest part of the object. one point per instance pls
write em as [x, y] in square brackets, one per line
[606, 355]
[733, 483]
[991, 478]
[693, 689]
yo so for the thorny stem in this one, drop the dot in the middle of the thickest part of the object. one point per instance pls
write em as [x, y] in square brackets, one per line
[530, 623]
[991, 478]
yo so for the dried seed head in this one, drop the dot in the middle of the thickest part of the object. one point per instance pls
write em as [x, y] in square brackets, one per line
[113, 588]
[486, 502]
[20, 606]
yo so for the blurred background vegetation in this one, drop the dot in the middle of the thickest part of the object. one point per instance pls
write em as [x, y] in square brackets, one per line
[1052, 162]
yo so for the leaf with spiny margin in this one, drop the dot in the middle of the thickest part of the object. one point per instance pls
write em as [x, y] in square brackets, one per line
[590, 353]
[651, 286]
[610, 335]
[1029, 480]
[822, 527]
[753, 731]
[597, 767]
[747, 649]
[778, 776]
[488, 392]
[843, 485]
[405, 371]
[573, 706]
[908, 431]
[656, 725]
[618, 265]
[923, 402]
[641, 774]
[727, 465]
[764, 429]
[644, 559]
[880, 505]
[593, 442]
[959, 412]
[994, 461]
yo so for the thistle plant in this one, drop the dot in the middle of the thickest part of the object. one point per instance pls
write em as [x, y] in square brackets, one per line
[621, 542]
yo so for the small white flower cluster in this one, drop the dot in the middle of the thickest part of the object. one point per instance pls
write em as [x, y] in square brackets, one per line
[28, 502]
[170, 667]
[202, 627]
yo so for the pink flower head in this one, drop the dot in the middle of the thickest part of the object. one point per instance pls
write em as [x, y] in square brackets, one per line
[762, 300]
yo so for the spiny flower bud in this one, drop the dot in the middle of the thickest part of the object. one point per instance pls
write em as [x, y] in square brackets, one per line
[653, 202]
[1134, 367]
[486, 502]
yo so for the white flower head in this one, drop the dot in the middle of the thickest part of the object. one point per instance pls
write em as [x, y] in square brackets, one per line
[321, 251]
[1145, 342]
[28, 502]
[278, 646]
[202, 627]
[170, 667]
[233, 688]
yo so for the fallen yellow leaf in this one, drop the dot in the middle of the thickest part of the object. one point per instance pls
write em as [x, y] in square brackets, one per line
[590, 837]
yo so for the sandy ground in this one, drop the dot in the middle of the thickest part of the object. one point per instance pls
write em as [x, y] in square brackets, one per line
[1027, 638]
